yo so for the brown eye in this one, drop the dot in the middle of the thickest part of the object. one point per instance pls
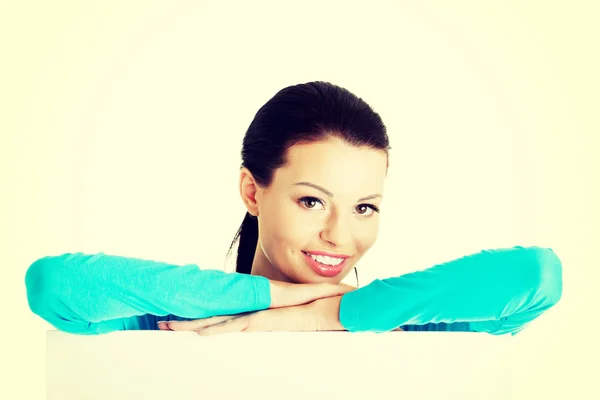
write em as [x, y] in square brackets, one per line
[309, 200]
[366, 207]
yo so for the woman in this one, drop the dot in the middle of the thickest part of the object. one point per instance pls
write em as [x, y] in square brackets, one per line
[314, 161]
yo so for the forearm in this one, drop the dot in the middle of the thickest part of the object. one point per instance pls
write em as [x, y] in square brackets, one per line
[82, 293]
[328, 314]
[485, 289]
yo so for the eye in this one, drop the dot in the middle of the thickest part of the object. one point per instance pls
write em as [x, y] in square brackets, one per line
[366, 207]
[309, 200]
[362, 209]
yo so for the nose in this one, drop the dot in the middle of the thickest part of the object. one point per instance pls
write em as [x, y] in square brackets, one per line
[336, 230]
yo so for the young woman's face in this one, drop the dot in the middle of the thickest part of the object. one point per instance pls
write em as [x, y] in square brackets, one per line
[324, 200]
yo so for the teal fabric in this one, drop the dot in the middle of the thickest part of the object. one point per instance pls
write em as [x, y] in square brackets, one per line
[495, 291]
[93, 294]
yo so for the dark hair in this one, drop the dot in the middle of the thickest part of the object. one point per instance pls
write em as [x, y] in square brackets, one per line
[303, 113]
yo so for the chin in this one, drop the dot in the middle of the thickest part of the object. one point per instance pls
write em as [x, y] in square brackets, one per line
[308, 277]
[324, 279]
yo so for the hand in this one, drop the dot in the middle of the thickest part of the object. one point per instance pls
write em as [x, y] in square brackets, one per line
[320, 315]
[284, 294]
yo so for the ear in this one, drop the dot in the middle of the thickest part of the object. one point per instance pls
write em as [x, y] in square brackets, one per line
[248, 191]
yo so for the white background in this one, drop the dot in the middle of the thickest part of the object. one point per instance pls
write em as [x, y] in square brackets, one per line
[122, 126]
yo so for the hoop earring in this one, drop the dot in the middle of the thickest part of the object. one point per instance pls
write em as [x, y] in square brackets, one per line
[356, 273]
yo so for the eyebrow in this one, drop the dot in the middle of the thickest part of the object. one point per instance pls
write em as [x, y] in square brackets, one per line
[328, 193]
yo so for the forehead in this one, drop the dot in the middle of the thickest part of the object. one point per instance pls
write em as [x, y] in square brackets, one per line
[335, 165]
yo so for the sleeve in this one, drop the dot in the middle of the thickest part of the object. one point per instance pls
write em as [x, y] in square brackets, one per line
[495, 291]
[98, 293]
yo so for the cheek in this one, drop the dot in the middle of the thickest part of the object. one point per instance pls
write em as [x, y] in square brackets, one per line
[282, 230]
[366, 237]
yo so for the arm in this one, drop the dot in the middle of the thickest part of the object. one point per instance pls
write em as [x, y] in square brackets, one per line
[495, 291]
[93, 294]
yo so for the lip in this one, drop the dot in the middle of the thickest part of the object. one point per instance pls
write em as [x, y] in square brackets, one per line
[324, 253]
[325, 270]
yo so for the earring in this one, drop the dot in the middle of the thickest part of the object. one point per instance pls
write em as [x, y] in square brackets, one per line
[356, 273]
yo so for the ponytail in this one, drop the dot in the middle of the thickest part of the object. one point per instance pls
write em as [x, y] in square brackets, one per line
[248, 238]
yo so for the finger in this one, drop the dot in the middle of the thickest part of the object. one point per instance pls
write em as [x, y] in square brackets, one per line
[203, 322]
[163, 325]
[287, 319]
[229, 326]
[198, 323]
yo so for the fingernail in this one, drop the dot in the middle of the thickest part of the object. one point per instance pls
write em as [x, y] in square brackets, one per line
[162, 322]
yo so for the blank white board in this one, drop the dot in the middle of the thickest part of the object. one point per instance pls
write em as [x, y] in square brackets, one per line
[278, 365]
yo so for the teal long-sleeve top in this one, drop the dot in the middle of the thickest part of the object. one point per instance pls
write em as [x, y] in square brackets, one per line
[496, 291]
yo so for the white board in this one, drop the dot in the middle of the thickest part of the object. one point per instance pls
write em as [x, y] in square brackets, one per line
[272, 365]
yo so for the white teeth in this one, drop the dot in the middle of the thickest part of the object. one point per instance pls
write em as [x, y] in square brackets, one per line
[327, 260]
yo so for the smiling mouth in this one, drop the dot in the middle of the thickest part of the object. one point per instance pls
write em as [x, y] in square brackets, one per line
[325, 269]
[325, 253]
